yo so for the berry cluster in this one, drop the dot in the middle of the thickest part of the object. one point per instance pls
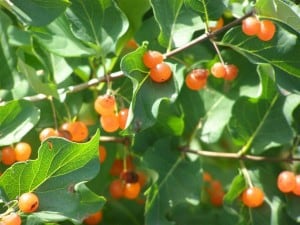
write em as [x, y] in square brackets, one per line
[110, 120]
[263, 29]
[159, 70]
[20, 152]
[289, 182]
[214, 189]
[27, 203]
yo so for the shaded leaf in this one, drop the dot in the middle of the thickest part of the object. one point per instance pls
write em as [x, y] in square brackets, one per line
[17, 118]
[38, 13]
[174, 19]
[260, 123]
[173, 171]
[100, 23]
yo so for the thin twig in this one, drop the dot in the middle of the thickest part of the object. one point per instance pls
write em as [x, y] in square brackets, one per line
[230, 155]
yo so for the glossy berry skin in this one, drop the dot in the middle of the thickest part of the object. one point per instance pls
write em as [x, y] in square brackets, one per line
[152, 58]
[48, 132]
[218, 70]
[28, 202]
[11, 219]
[105, 104]
[231, 72]
[94, 218]
[296, 189]
[161, 72]
[286, 181]
[132, 190]
[116, 189]
[267, 30]
[110, 123]
[253, 197]
[22, 151]
[196, 79]
[78, 130]
[251, 26]
[123, 115]
[8, 156]
[102, 153]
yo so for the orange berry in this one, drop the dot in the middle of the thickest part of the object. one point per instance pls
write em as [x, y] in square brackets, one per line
[161, 72]
[218, 70]
[253, 197]
[152, 58]
[22, 151]
[102, 153]
[231, 72]
[123, 115]
[48, 132]
[110, 123]
[28, 202]
[77, 129]
[94, 218]
[196, 79]
[267, 30]
[132, 190]
[11, 219]
[286, 181]
[296, 189]
[105, 104]
[251, 26]
[117, 167]
[8, 156]
[116, 189]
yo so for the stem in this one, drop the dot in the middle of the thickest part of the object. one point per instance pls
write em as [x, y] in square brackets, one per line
[229, 155]
[53, 112]
[246, 174]
[217, 50]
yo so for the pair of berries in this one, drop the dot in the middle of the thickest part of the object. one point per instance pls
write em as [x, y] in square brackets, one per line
[75, 131]
[289, 182]
[263, 29]
[106, 105]
[226, 71]
[20, 152]
[159, 70]
[127, 186]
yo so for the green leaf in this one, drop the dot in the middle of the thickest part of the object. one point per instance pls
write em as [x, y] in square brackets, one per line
[56, 177]
[58, 38]
[178, 181]
[174, 19]
[280, 52]
[217, 114]
[285, 11]
[259, 123]
[209, 10]
[38, 13]
[16, 119]
[98, 22]
[40, 87]
[147, 94]
[237, 186]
